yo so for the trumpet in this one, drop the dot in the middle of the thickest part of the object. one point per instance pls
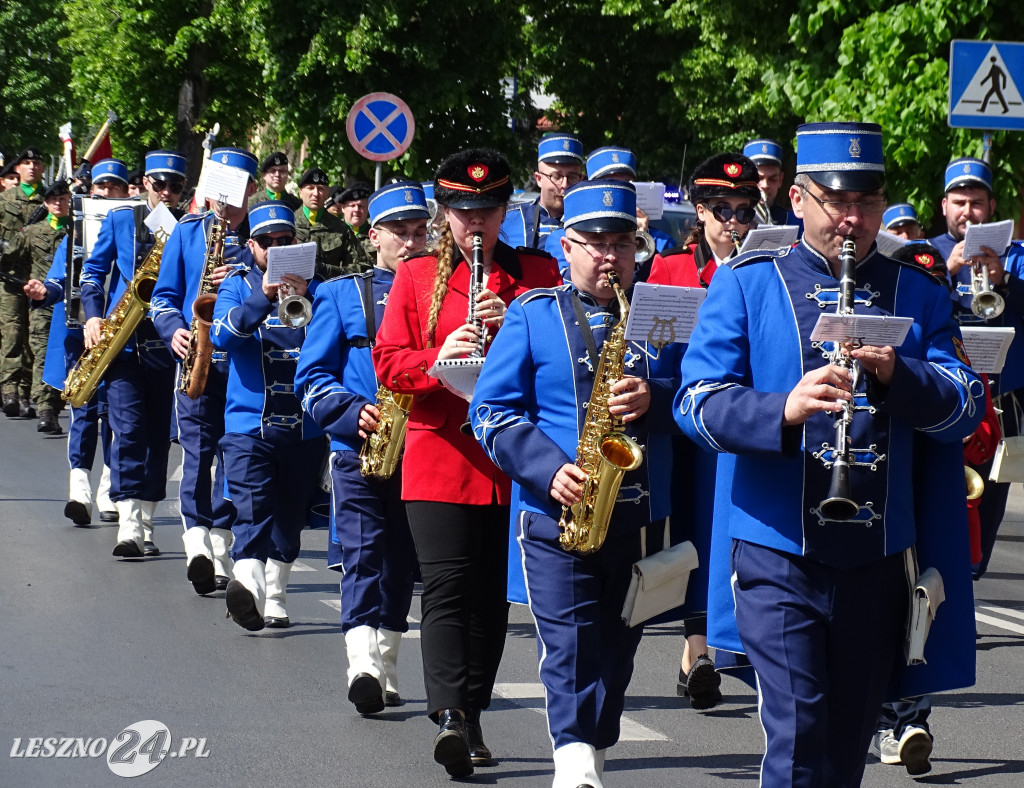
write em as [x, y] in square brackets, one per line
[645, 247]
[985, 302]
[293, 311]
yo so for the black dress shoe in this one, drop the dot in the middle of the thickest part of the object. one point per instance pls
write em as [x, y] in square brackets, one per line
[150, 549]
[277, 622]
[25, 409]
[479, 752]
[200, 575]
[393, 699]
[127, 549]
[242, 607]
[108, 517]
[11, 406]
[451, 747]
[366, 694]
[48, 423]
[220, 582]
[701, 684]
[77, 512]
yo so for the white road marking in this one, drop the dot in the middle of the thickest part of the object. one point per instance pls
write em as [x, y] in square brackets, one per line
[1005, 611]
[531, 696]
[298, 566]
[998, 622]
[414, 630]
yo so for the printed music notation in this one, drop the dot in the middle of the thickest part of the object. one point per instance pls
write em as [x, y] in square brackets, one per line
[878, 330]
[987, 346]
[222, 183]
[995, 235]
[663, 314]
[298, 259]
[160, 218]
[770, 237]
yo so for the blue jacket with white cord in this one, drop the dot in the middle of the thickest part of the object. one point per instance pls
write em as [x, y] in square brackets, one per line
[335, 376]
[262, 356]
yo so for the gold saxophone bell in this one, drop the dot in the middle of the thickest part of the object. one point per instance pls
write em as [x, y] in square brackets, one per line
[975, 484]
[382, 450]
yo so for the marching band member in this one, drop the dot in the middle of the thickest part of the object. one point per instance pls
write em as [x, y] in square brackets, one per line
[767, 157]
[723, 189]
[272, 451]
[140, 379]
[458, 519]
[529, 411]
[370, 542]
[820, 603]
[559, 166]
[901, 220]
[206, 514]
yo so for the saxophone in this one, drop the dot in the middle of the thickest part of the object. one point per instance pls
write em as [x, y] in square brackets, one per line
[604, 452]
[195, 367]
[383, 448]
[118, 326]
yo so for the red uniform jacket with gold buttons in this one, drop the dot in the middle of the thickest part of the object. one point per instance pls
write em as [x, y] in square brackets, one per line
[441, 462]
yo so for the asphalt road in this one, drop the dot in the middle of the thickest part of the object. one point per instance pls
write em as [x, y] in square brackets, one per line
[90, 645]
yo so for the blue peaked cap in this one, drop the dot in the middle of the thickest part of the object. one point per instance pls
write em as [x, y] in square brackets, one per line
[600, 206]
[560, 149]
[272, 216]
[900, 213]
[763, 151]
[398, 201]
[604, 161]
[968, 171]
[165, 162]
[841, 156]
[110, 170]
[239, 158]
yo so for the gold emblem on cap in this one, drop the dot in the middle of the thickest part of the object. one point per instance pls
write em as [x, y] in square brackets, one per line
[855, 147]
[477, 172]
[408, 196]
[607, 199]
[273, 213]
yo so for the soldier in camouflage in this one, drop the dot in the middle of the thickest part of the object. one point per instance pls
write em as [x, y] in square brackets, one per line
[338, 251]
[350, 204]
[275, 178]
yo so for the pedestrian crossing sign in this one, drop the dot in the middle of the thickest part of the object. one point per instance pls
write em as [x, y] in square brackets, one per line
[985, 82]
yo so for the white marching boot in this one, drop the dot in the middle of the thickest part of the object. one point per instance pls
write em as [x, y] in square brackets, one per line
[247, 594]
[103, 502]
[129, 529]
[387, 644]
[221, 540]
[365, 670]
[148, 546]
[575, 765]
[199, 559]
[274, 614]
[78, 509]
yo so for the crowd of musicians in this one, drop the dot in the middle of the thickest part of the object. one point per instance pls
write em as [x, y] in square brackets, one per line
[804, 485]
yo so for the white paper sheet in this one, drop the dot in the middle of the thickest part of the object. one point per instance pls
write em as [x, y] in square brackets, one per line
[889, 244]
[876, 330]
[663, 314]
[299, 259]
[161, 218]
[650, 198]
[995, 235]
[774, 236]
[222, 183]
[987, 346]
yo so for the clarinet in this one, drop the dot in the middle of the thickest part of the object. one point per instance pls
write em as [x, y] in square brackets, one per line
[839, 505]
[476, 286]
[73, 267]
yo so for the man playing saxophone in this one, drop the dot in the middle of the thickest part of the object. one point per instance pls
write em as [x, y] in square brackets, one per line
[528, 412]
[206, 515]
[139, 379]
[370, 543]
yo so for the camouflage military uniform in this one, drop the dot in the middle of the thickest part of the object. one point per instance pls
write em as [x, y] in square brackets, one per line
[338, 251]
[15, 209]
[369, 250]
[30, 256]
[263, 195]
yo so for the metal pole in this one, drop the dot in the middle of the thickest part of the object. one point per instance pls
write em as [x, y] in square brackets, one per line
[377, 177]
[986, 146]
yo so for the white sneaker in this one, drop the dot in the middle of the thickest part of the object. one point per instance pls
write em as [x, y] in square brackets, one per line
[885, 746]
[915, 749]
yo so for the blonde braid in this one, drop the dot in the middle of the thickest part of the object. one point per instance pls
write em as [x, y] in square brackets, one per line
[445, 266]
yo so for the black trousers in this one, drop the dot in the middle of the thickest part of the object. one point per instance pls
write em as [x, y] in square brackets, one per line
[463, 556]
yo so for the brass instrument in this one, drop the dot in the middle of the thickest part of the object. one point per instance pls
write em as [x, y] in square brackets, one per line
[645, 247]
[293, 311]
[975, 484]
[118, 326]
[195, 367]
[604, 452]
[383, 448]
[985, 302]
[839, 505]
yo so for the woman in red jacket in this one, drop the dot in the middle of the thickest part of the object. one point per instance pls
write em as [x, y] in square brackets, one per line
[457, 500]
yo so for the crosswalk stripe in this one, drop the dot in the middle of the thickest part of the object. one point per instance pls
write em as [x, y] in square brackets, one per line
[298, 566]
[1005, 611]
[414, 630]
[531, 696]
[998, 622]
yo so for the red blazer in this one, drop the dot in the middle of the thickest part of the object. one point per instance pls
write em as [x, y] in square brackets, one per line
[441, 462]
[679, 267]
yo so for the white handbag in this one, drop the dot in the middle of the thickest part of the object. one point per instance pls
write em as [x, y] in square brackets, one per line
[1008, 462]
[659, 583]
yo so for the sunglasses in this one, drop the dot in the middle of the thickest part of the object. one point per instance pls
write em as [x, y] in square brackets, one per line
[175, 187]
[265, 241]
[744, 214]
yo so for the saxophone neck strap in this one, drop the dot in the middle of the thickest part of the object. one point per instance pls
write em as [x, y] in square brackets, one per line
[366, 282]
[585, 329]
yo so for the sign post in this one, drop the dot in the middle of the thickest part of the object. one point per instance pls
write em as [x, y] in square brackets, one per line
[380, 127]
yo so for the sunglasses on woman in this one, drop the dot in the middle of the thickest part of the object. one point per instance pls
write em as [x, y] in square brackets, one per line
[723, 212]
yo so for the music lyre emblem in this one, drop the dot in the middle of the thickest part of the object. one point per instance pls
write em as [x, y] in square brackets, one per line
[662, 333]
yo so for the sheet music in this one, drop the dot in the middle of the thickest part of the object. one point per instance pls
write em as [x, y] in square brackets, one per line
[650, 198]
[987, 346]
[995, 235]
[297, 259]
[94, 211]
[876, 330]
[766, 236]
[889, 244]
[222, 183]
[161, 218]
[663, 314]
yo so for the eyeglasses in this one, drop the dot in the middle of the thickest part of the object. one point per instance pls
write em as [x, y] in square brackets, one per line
[557, 179]
[265, 241]
[724, 212]
[620, 249]
[844, 208]
[419, 234]
[175, 187]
